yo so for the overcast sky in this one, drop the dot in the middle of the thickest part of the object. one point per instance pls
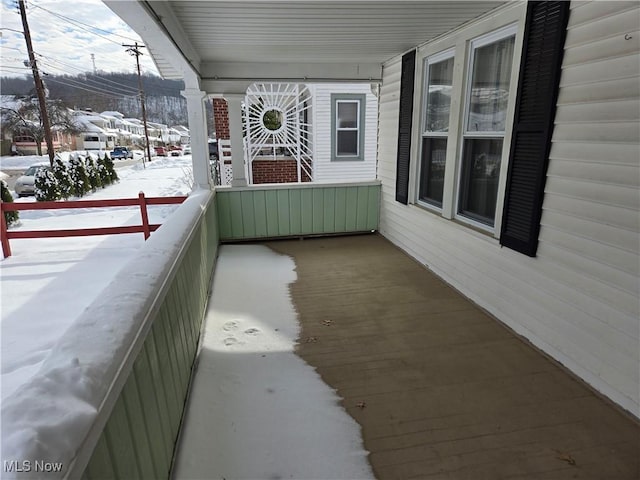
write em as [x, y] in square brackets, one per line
[64, 34]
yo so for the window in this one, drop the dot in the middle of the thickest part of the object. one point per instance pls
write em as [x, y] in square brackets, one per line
[347, 127]
[438, 75]
[484, 125]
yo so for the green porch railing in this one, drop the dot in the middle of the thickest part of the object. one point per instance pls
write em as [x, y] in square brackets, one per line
[270, 211]
[140, 435]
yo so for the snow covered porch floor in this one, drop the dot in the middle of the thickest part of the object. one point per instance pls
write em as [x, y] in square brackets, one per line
[439, 388]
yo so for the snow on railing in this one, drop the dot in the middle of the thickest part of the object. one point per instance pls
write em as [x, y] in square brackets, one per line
[142, 201]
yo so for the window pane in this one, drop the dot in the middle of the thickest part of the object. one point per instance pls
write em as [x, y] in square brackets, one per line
[347, 143]
[347, 114]
[439, 96]
[479, 180]
[490, 86]
[434, 152]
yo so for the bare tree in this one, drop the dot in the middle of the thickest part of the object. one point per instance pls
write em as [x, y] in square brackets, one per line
[25, 120]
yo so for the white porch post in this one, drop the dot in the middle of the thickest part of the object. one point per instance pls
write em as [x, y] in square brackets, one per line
[234, 106]
[198, 133]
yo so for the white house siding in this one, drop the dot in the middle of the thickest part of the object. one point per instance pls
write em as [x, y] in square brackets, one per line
[343, 171]
[578, 299]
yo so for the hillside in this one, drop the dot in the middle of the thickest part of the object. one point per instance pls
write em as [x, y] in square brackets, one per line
[110, 91]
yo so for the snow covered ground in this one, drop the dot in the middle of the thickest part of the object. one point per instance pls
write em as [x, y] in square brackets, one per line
[47, 283]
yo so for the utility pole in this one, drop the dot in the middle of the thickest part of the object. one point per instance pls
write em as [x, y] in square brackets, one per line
[93, 60]
[135, 51]
[38, 82]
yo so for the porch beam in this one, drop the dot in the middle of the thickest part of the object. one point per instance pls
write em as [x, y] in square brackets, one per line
[234, 107]
[217, 74]
[198, 134]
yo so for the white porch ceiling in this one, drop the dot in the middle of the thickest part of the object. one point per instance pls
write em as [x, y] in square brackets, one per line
[232, 41]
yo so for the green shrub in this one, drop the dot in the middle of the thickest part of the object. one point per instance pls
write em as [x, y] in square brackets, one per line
[62, 177]
[101, 167]
[92, 173]
[46, 186]
[9, 217]
[80, 183]
[111, 171]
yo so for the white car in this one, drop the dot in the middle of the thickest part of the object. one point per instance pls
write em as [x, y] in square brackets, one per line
[25, 185]
[187, 150]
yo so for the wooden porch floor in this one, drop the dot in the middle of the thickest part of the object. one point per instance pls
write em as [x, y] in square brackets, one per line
[440, 388]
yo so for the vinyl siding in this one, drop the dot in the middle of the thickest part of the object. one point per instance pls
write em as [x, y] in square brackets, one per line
[343, 171]
[578, 299]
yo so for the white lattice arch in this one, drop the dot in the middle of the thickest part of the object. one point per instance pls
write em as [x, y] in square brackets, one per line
[290, 103]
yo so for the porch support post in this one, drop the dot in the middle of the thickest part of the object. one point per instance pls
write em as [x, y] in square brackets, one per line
[198, 133]
[234, 103]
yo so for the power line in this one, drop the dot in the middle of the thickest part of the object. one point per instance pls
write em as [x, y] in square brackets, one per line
[117, 89]
[71, 83]
[93, 27]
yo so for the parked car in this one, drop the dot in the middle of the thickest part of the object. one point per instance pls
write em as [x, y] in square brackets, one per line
[175, 150]
[25, 185]
[186, 150]
[121, 153]
[160, 151]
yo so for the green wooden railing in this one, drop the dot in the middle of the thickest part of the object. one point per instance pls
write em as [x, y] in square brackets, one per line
[297, 210]
[140, 435]
[141, 430]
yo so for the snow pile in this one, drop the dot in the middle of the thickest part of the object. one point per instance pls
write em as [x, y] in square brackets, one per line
[47, 418]
[49, 282]
[257, 410]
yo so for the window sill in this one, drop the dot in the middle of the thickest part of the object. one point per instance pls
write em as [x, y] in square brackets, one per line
[469, 225]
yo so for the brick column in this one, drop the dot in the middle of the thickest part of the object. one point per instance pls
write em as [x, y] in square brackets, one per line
[221, 118]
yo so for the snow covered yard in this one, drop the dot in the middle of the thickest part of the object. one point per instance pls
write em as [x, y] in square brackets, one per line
[47, 283]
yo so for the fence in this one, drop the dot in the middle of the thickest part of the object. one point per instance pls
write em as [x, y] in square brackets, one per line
[145, 227]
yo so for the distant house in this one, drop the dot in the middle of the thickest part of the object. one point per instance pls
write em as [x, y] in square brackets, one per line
[158, 133]
[22, 139]
[183, 133]
[96, 132]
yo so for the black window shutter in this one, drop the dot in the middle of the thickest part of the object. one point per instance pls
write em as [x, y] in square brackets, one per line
[404, 126]
[544, 36]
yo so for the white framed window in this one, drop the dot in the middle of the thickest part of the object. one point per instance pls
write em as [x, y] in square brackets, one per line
[436, 111]
[347, 127]
[485, 115]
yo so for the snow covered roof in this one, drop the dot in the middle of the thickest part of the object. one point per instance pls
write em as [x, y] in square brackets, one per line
[10, 101]
[112, 114]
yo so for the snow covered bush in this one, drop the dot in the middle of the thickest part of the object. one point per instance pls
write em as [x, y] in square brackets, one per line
[92, 173]
[79, 180]
[46, 186]
[101, 167]
[10, 217]
[111, 170]
[62, 177]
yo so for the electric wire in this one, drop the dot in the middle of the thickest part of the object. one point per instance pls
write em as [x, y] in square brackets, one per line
[82, 87]
[82, 26]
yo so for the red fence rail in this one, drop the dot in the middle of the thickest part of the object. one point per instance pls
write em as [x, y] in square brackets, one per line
[145, 227]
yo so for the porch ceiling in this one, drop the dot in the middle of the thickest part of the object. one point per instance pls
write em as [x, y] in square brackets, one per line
[226, 41]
